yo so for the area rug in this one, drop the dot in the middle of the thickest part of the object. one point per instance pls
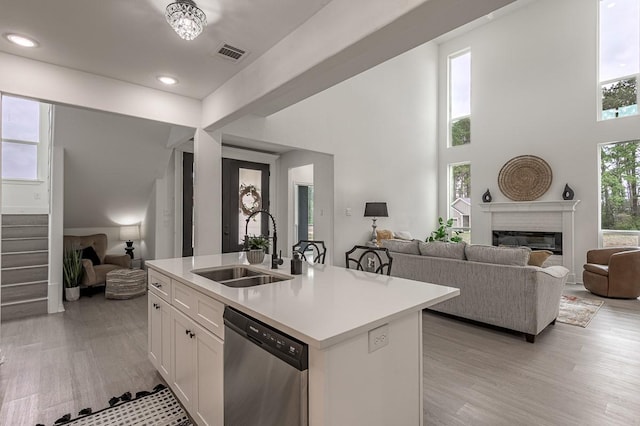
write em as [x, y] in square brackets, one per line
[578, 311]
[156, 408]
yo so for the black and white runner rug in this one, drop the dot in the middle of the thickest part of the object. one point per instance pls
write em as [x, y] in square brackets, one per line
[157, 408]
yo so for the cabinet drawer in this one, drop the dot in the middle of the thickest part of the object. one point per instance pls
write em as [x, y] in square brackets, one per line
[160, 284]
[201, 308]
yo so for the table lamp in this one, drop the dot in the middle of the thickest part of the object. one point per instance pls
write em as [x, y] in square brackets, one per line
[128, 234]
[375, 210]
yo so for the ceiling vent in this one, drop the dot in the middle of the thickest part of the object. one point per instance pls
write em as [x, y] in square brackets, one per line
[230, 53]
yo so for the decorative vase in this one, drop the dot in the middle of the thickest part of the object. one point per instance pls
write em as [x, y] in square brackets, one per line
[568, 193]
[255, 256]
[72, 293]
[486, 197]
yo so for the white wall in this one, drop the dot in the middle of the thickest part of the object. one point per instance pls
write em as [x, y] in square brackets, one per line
[111, 164]
[114, 245]
[381, 128]
[148, 227]
[207, 193]
[322, 171]
[534, 91]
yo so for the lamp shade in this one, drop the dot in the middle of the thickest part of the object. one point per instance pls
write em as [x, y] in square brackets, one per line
[129, 233]
[375, 209]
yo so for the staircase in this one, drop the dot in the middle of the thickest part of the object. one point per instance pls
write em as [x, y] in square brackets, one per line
[25, 265]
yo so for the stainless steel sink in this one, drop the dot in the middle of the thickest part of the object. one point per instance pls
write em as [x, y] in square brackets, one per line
[227, 273]
[240, 276]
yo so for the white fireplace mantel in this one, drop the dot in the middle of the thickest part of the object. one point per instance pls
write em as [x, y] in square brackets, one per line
[556, 216]
[531, 206]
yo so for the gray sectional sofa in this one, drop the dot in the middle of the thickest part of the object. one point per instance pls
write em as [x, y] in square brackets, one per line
[497, 286]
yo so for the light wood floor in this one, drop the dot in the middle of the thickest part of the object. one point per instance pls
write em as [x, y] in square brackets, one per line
[474, 375]
[570, 376]
[62, 363]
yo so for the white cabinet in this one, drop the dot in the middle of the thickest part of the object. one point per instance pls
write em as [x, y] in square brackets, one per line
[160, 284]
[159, 338]
[197, 366]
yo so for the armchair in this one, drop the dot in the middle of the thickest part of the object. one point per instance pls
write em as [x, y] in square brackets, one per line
[96, 274]
[613, 272]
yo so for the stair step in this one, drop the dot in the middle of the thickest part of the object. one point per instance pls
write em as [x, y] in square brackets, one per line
[25, 219]
[28, 244]
[25, 231]
[27, 308]
[25, 275]
[25, 258]
[24, 292]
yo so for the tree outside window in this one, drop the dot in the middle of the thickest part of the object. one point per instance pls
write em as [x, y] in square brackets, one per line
[620, 193]
[460, 99]
[619, 57]
[460, 199]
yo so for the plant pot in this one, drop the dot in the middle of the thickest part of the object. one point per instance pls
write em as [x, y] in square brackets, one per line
[255, 256]
[72, 293]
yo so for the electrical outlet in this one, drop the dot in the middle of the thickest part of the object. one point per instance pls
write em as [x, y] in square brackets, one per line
[378, 338]
[347, 211]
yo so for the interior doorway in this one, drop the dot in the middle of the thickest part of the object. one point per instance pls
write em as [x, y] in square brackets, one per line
[245, 189]
[302, 200]
[187, 204]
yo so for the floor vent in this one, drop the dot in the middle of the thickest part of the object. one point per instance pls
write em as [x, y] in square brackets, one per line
[230, 53]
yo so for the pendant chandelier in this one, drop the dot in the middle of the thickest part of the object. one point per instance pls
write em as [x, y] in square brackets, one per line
[186, 19]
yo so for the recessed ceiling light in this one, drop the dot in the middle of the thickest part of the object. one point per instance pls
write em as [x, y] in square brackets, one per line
[21, 40]
[165, 79]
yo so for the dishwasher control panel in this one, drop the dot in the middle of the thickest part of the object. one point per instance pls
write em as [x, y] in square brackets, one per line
[285, 347]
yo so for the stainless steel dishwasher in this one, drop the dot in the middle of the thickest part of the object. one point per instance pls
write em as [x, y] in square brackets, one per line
[265, 374]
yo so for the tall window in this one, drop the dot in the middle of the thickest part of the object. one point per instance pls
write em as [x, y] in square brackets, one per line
[21, 137]
[460, 199]
[619, 57]
[620, 193]
[460, 99]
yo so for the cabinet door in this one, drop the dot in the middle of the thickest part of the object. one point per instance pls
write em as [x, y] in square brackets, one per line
[182, 355]
[208, 403]
[159, 339]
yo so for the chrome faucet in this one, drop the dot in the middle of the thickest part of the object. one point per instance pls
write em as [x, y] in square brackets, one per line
[275, 260]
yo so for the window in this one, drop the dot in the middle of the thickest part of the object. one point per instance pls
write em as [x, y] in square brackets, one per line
[22, 124]
[619, 57]
[620, 193]
[460, 199]
[460, 99]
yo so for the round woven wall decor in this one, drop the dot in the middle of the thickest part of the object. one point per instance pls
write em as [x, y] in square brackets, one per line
[525, 178]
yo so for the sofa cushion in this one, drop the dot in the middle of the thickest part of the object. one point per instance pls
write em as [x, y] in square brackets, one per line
[597, 269]
[442, 249]
[90, 253]
[515, 256]
[538, 257]
[402, 246]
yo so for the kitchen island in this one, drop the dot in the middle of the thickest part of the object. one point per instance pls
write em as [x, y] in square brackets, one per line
[363, 331]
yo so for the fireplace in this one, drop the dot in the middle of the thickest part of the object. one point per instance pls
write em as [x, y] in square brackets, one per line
[537, 240]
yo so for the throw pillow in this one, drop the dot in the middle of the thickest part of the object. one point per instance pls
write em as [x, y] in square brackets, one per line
[538, 257]
[442, 249]
[515, 256]
[383, 234]
[90, 253]
[402, 235]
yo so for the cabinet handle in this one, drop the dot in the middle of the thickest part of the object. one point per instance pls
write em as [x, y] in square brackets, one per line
[187, 332]
[156, 306]
[156, 285]
[191, 335]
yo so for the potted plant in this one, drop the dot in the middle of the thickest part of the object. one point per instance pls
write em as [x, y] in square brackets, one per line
[258, 245]
[72, 269]
[444, 232]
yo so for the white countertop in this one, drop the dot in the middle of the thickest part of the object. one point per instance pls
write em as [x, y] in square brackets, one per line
[321, 307]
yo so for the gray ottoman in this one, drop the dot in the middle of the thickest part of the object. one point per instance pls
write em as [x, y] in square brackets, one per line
[125, 283]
